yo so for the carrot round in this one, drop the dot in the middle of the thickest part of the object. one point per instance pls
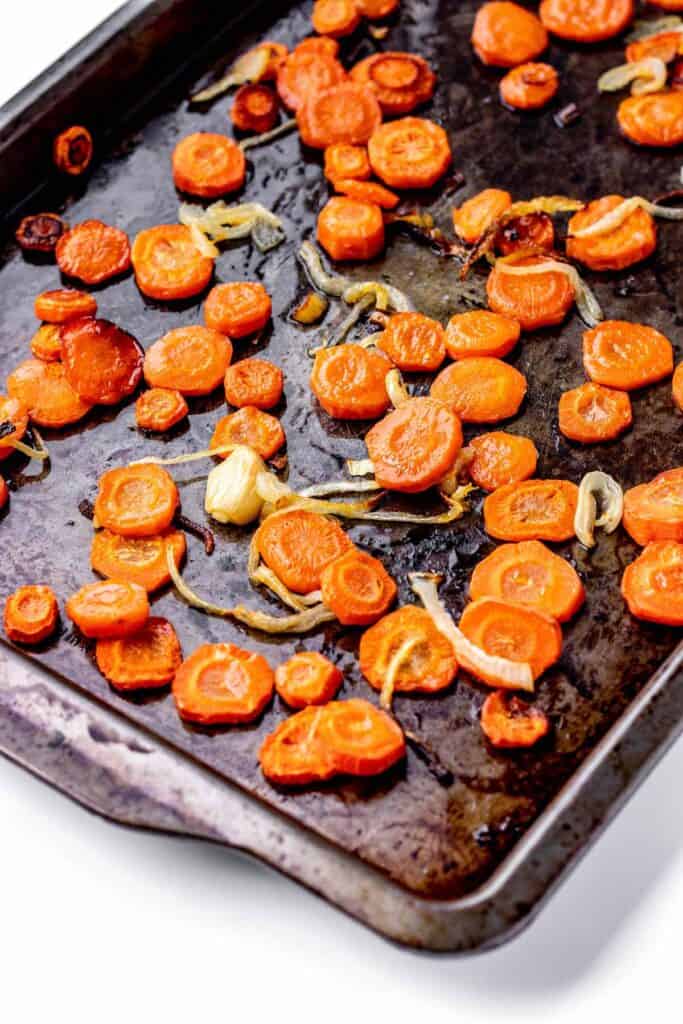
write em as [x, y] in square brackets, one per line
[254, 382]
[586, 21]
[294, 754]
[594, 413]
[651, 585]
[31, 614]
[532, 510]
[167, 263]
[363, 739]
[93, 252]
[46, 343]
[208, 165]
[429, 664]
[349, 229]
[509, 722]
[317, 44]
[349, 382]
[43, 389]
[634, 240]
[307, 678]
[13, 411]
[62, 304]
[480, 332]
[141, 560]
[532, 575]
[40, 232]
[367, 192]
[654, 510]
[529, 86]
[623, 355]
[238, 309]
[146, 660]
[536, 300]
[336, 18]
[663, 45]
[409, 153]
[506, 34]
[249, 426]
[254, 108]
[222, 684]
[136, 501]
[499, 459]
[400, 81]
[376, 10]
[479, 212]
[357, 588]
[160, 409]
[513, 631]
[655, 119]
[345, 162]
[306, 72]
[102, 363]
[413, 342]
[72, 150]
[346, 112]
[676, 387]
[109, 609]
[415, 446]
[530, 231]
[297, 545]
[480, 389]
[192, 360]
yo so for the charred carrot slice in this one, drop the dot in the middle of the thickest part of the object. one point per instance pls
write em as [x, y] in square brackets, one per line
[655, 119]
[294, 755]
[46, 343]
[530, 574]
[160, 409]
[349, 382]
[72, 150]
[513, 631]
[109, 609]
[506, 34]
[344, 161]
[297, 545]
[346, 112]
[499, 459]
[481, 333]
[651, 586]
[40, 232]
[367, 192]
[221, 684]
[44, 390]
[413, 342]
[145, 660]
[677, 386]
[407, 644]
[510, 722]
[409, 153]
[401, 81]
[530, 231]
[237, 309]
[141, 560]
[12, 410]
[351, 230]
[318, 44]
[31, 614]
[102, 363]
[56, 307]
[415, 446]
[663, 45]
[529, 86]
[586, 21]
[619, 354]
[375, 10]
[593, 413]
[136, 501]
[93, 252]
[167, 263]
[477, 214]
[306, 72]
[536, 300]
[208, 165]
[254, 109]
[363, 739]
[254, 382]
[654, 511]
[532, 510]
[480, 389]
[307, 678]
[357, 588]
[634, 240]
[335, 18]
[192, 360]
[249, 426]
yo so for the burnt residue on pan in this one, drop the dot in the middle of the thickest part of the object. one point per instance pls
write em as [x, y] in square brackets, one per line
[443, 821]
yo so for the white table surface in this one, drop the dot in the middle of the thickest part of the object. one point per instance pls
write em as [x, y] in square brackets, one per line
[104, 924]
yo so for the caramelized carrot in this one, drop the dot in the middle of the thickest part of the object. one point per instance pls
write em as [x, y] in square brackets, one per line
[168, 265]
[480, 389]
[335, 18]
[363, 740]
[31, 614]
[192, 360]
[145, 660]
[532, 575]
[294, 755]
[254, 109]
[536, 300]
[357, 588]
[208, 165]
[594, 413]
[343, 161]
[367, 192]
[250, 426]
[254, 382]
[655, 119]
[349, 382]
[307, 72]
[509, 722]
[72, 150]
[529, 86]
[654, 511]
[428, 663]
[413, 342]
[499, 459]
[102, 363]
[532, 510]
[136, 501]
[480, 332]
[506, 34]
[56, 307]
[586, 21]
[93, 252]
[651, 586]
[109, 609]
[46, 343]
[676, 386]
[634, 240]
[12, 410]
[376, 10]
[415, 446]
[346, 112]
[43, 389]
[160, 409]
[140, 560]
[531, 231]
[351, 230]
[307, 678]
[238, 309]
[409, 153]
[40, 232]
[513, 631]
[401, 81]
[619, 354]
[221, 684]
[297, 545]
[477, 214]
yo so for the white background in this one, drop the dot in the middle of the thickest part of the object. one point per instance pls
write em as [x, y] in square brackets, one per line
[103, 924]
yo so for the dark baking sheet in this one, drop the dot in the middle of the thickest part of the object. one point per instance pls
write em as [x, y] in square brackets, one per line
[439, 828]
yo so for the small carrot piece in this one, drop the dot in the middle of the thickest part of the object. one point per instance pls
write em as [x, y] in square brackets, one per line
[252, 427]
[208, 165]
[46, 343]
[413, 342]
[346, 112]
[357, 588]
[136, 501]
[506, 34]
[633, 241]
[238, 309]
[159, 409]
[536, 300]
[623, 355]
[222, 684]
[351, 230]
[415, 446]
[318, 44]
[593, 413]
[530, 231]
[56, 307]
[40, 232]
[476, 215]
[480, 389]
[367, 192]
[429, 664]
[401, 81]
[31, 614]
[14, 411]
[409, 153]
[343, 161]
[254, 108]
[72, 150]
[651, 585]
[294, 755]
[480, 332]
[500, 459]
[532, 510]
[93, 252]
[677, 386]
[168, 265]
[306, 679]
[141, 560]
[663, 45]
[254, 382]
[43, 388]
[307, 72]
[108, 609]
[376, 10]
[363, 740]
[587, 21]
[529, 574]
[145, 660]
[192, 360]
[297, 545]
[349, 381]
[511, 723]
[655, 119]
[336, 18]
[513, 631]
[529, 86]
[102, 363]
[654, 510]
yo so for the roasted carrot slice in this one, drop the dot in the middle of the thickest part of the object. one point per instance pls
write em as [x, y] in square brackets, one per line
[634, 240]
[4, 492]
[500, 459]
[623, 355]
[413, 342]
[530, 574]
[254, 382]
[401, 81]
[145, 660]
[294, 755]
[375, 10]
[654, 511]
[344, 162]
[307, 678]
[586, 21]
[357, 588]
[480, 389]
[480, 332]
[102, 363]
[56, 307]
[335, 18]
[160, 409]
[509, 722]
[351, 230]
[12, 410]
[651, 585]
[505, 629]
[506, 34]
[415, 446]
[363, 739]
[530, 231]
[167, 263]
[93, 252]
[72, 150]
[297, 545]
[346, 112]
[192, 360]
[536, 300]
[349, 381]
[238, 309]
[407, 643]
[318, 44]
[136, 501]
[46, 343]
[594, 413]
[529, 86]
[44, 390]
[477, 214]
[31, 614]
[254, 109]
[40, 232]
[221, 684]
[306, 72]
[655, 119]
[250, 426]
[676, 386]
[140, 560]
[208, 165]
[663, 45]
[109, 609]
[367, 192]
[409, 153]
[532, 510]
